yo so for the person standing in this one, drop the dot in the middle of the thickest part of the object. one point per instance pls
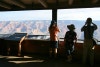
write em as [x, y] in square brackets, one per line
[53, 30]
[88, 52]
[69, 40]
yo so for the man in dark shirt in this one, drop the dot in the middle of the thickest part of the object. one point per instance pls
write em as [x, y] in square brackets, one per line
[88, 52]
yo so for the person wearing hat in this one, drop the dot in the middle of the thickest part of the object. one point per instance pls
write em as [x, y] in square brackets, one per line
[53, 30]
[88, 51]
[69, 41]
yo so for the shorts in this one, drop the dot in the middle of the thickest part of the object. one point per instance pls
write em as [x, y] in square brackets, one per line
[53, 44]
[69, 48]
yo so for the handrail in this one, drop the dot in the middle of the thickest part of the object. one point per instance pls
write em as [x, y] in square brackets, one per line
[80, 39]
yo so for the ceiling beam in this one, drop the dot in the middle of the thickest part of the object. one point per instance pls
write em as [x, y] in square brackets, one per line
[15, 2]
[43, 3]
[94, 1]
[5, 6]
[70, 2]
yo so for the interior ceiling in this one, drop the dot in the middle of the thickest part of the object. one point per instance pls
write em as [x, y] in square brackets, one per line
[16, 5]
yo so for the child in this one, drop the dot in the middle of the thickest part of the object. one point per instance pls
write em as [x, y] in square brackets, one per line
[69, 39]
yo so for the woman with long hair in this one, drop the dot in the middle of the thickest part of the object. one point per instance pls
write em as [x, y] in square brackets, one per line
[53, 30]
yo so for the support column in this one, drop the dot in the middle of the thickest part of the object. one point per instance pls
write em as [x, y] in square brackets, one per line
[54, 14]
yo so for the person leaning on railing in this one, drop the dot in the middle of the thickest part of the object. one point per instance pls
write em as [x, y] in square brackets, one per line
[70, 40]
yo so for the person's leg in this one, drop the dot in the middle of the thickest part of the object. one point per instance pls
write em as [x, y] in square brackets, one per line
[69, 58]
[50, 52]
[71, 49]
[68, 52]
[85, 54]
[85, 51]
[55, 52]
[91, 54]
[55, 49]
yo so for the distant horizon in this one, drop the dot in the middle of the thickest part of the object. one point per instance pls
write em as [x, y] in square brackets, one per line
[45, 20]
[41, 27]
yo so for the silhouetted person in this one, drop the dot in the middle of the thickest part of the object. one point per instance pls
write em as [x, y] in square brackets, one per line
[53, 30]
[69, 41]
[88, 51]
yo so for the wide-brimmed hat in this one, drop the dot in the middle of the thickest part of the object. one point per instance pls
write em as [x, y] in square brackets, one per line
[71, 27]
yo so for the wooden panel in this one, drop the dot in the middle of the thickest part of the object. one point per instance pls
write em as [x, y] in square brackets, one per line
[42, 47]
[36, 46]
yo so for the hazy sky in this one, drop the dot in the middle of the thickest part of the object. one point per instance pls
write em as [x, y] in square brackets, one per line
[79, 14]
[26, 15]
[63, 14]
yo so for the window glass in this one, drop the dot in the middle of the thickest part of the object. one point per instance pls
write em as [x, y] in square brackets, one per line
[33, 22]
[78, 18]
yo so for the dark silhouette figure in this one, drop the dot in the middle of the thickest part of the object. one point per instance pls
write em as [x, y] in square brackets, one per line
[53, 30]
[69, 40]
[88, 46]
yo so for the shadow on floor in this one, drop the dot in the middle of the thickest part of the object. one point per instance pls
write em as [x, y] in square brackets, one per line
[37, 61]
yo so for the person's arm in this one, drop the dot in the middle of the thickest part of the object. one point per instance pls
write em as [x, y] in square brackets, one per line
[95, 26]
[75, 39]
[82, 29]
[57, 29]
[65, 38]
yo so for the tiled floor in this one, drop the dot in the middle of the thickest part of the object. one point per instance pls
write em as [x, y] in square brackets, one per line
[37, 61]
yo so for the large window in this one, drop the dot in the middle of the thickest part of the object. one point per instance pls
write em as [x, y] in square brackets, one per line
[36, 22]
[33, 22]
[78, 18]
